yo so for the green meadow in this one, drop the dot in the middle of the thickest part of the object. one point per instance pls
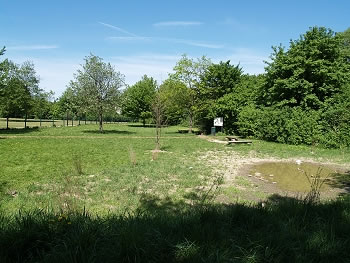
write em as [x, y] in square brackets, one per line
[71, 194]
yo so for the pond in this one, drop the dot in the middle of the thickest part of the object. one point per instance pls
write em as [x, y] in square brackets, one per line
[296, 176]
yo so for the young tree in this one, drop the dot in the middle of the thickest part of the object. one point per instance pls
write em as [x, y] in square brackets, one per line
[138, 99]
[189, 72]
[158, 115]
[97, 86]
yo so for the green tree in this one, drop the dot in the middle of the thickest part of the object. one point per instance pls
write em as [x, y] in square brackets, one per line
[345, 44]
[42, 105]
[137, 99]
[69, 102]
[309, 74]
[175, 97]
[97, 86]
[217, 94]
[189, 72]
[20, 85]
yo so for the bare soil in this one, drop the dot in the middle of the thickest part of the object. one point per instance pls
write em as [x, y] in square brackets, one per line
[235, 170]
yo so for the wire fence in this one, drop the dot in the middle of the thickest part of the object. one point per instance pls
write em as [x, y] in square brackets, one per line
[17, 123]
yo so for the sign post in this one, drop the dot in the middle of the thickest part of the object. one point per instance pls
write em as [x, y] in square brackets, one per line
[219, 122]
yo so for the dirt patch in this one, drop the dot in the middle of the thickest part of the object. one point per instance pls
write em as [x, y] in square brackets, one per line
[212, 139]
[239, 183]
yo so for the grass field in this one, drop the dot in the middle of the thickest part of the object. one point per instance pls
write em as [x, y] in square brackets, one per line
[90, 197]
[103, 172]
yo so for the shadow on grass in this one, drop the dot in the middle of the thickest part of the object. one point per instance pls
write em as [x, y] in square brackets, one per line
[341, 181]
[108, 132]
[166, 148]
[146, 126]
[15, 131]
[161, 230]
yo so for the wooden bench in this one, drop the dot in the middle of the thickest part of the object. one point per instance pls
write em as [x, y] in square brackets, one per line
[236, 140]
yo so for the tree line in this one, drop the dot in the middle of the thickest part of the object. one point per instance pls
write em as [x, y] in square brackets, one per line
[301, 98]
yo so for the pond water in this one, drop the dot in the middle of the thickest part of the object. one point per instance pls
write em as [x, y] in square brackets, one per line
[294, 176]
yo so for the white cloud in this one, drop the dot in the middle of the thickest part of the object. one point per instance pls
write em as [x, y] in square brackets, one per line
[195, 43]
[153, 65]
[250, 60]
[118, 29]
[129, 38]
[177, 23]
[242, 27]
[171, 40]
[55, 74]
[32, 47]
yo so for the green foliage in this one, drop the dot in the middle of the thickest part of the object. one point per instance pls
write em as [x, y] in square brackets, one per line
[18, 88]
[222, 93]
[303, 98]
[189, 72]
[69, 101]
[335, 123]
[345, 47]
[309, 74]
[175, 97]
[137, 99]
[285, 125]
[94, 89]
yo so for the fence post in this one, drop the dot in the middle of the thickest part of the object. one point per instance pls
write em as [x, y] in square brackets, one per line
[53, 121]
[67, 119]
[7, 123]
[40, 122]
[25, 122]
[72, 120]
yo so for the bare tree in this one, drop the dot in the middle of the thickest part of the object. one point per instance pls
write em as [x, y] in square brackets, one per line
[158, 110]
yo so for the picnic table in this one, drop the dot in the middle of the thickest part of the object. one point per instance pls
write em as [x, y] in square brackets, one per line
[236, 140]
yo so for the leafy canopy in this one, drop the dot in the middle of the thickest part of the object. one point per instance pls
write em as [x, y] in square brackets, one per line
[137, 99]
[97, 86]
[309, 74]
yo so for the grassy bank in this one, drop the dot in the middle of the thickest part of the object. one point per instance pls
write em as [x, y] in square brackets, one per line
[284, 230]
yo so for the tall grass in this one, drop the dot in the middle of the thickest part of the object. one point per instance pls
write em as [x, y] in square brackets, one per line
[285, 230]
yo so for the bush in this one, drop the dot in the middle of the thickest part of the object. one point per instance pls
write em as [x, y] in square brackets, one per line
[285, 125]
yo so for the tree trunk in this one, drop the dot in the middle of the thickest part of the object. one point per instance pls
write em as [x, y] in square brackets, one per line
[144, 122]
[67, 118]
[101, 122]
[190, 122]
[25, 121]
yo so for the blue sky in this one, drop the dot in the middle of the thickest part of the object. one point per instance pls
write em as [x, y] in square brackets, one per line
[148, 37]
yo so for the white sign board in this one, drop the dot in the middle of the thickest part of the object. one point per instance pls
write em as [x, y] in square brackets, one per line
[219, 122]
